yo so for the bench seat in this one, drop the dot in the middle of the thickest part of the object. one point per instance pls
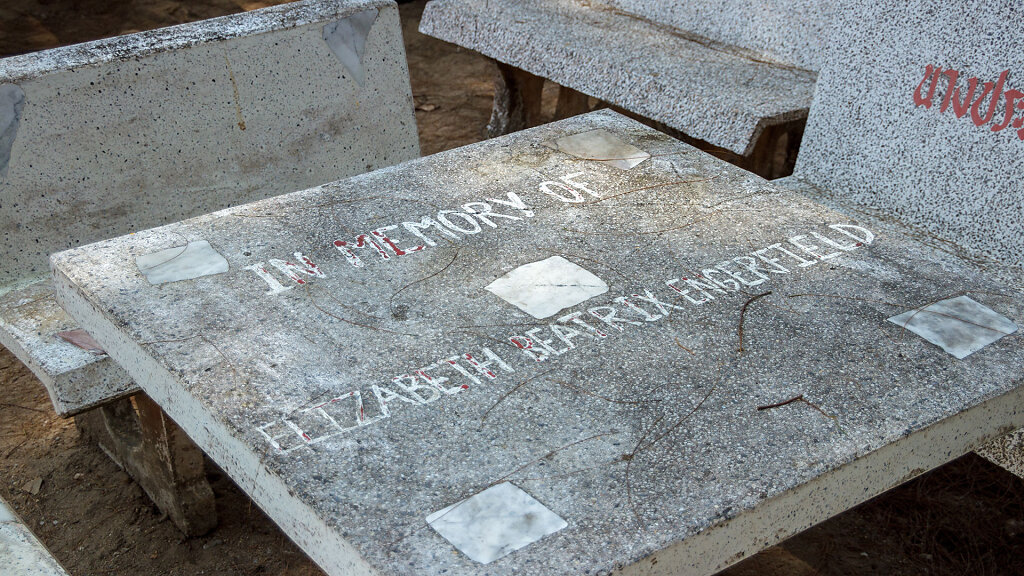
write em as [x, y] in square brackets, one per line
[720, 94]
[168, 124]
[76, 379]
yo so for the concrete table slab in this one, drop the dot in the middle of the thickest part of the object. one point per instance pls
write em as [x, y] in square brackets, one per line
[122, 134]
[21, 553]
[723, 95]
[736, 383]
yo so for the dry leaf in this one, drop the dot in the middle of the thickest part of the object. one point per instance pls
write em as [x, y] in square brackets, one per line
[33, 486]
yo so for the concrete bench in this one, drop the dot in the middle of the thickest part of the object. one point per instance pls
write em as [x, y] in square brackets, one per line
[939, 134]
[105, 138]
[21, 553]
[737, 75]
[637, 356]
[595, 345]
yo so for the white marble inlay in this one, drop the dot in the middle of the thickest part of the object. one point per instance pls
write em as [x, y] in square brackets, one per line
[544, 288]
[958, 325]
[495, 522]
[602, 146]
[194, 260]
[347, 40]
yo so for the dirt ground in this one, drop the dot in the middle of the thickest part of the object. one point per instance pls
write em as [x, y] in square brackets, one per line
[966, 518]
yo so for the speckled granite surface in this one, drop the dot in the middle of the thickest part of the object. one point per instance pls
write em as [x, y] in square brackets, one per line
[791, 32]
[885, 133]
[706, 90]
[354, 404]
[918, 163]
[108, 137]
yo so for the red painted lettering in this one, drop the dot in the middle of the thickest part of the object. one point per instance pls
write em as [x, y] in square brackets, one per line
[996, 89]
[930, 73]
[345, 247]
[961, 100]
[1012, 97]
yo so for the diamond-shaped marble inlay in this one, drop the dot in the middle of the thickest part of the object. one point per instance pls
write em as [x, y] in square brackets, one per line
[194, 260]
[958, 325]
[545, 287]
[495, 522]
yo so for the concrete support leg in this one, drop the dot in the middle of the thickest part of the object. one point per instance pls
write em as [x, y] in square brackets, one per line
[517, 101]
[1006, 451]
[151, 448]
[774, 154]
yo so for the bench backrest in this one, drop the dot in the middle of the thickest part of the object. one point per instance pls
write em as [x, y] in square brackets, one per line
[919, 115]
[123, 134]
[786, 31]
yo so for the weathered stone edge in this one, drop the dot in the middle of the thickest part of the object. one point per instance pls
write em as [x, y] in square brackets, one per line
[811, 503]
[322, 542]
[139, 45]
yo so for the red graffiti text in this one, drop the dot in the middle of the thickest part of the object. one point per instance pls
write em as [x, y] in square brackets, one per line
[963, 98]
